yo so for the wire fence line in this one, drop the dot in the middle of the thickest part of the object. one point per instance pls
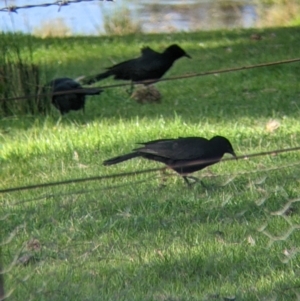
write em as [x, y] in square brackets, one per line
[138, 172]
[59, 3]
[184, 76]
[82, 191]
[81, 254]
[230, 177]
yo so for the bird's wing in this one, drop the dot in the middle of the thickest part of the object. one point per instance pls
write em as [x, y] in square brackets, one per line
[149, 60]
[177, 149]
[125, 70]
[146, 51]
[150, 65]
[63, 84]
[67, 85]
[123, 64]
[154, 64]
[59, 81]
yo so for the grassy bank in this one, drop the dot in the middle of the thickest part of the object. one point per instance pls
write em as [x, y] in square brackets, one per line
[141, 241]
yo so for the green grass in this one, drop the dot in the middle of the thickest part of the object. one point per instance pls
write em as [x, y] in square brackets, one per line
[129, 238]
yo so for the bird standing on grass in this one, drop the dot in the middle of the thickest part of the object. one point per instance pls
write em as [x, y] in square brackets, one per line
[74, 99]
[184, 155]
[150, 65]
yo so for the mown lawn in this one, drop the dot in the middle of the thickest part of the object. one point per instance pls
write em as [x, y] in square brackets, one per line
[132, 238]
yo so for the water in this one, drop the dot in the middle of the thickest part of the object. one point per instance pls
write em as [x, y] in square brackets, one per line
[154, 16]
[195, 15]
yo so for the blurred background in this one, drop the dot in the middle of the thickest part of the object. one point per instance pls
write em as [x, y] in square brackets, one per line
[132, 16]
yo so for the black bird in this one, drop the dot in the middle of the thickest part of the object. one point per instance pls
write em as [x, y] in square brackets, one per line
[150, 65]
[184, 155]
[70, 101]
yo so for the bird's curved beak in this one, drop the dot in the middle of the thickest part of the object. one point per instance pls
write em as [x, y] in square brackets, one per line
[187, 55]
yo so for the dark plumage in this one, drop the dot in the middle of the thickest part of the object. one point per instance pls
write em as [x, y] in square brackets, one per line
[150, 65]
[176, 153]
[70, 101]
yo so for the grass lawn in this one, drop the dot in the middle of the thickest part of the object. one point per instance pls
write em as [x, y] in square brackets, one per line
[132, 238]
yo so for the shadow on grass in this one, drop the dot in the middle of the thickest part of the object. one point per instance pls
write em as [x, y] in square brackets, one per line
[171, 241]
[255, 93]
[140, 205]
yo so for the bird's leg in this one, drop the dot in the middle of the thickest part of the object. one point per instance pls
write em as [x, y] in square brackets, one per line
[187, 181]
[130, 90]
[203, 185]
[195, 181]
[59, 119]
[163, 175]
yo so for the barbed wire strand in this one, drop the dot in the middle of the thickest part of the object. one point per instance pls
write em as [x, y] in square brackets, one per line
[60, 3]
[82, 191]
[138, 172]
[79, 180]
[224, 70]
[246, 172]
[86, 191]
[184, 76]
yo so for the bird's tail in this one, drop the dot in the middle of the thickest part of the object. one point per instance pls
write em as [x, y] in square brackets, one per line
[89, 91]
[95, 78]
[120, 159]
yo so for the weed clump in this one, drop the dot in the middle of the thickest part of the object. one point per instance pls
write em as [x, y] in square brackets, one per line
[20, 77]
[121, 23]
